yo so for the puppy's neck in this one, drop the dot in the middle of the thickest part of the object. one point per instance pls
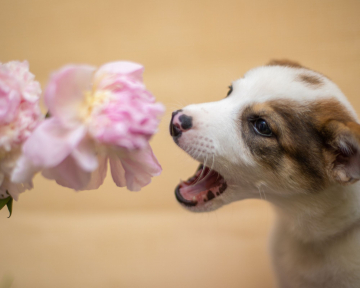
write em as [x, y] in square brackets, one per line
[320, 217]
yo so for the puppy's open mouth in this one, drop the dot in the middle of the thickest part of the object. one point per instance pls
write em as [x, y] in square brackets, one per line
[204, 186]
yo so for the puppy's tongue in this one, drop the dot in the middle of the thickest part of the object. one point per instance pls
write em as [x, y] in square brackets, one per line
[204, 186]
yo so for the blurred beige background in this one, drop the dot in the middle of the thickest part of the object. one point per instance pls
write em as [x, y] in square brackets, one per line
[191, 50]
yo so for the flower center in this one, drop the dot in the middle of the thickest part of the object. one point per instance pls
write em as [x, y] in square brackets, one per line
[94, 101]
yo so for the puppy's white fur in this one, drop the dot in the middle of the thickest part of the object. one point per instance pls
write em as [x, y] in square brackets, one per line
[316, 237]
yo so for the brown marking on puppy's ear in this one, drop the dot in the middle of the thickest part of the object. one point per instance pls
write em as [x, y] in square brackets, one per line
[311, 80]
[345, 143]
[284, 62]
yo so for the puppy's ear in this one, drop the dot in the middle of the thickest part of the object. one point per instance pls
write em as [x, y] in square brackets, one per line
[343, 139]
[284, 62]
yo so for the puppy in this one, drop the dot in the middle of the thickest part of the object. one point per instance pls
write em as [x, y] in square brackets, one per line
[287, 134]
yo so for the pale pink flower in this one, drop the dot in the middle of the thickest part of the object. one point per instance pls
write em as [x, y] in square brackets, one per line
[96, 116]
[19, 115]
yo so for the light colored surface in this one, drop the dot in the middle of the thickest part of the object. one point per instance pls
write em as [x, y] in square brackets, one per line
[192, 50]
[137, 249]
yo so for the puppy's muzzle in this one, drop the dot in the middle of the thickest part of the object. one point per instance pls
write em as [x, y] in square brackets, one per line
[179, 123]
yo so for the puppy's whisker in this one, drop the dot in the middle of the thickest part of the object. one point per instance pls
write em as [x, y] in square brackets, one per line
[208, 173]
[213, 162]
[197, 180]
[174, 105]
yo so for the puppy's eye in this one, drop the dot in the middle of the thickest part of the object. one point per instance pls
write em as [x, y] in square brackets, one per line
[262, 128]
[230, 90]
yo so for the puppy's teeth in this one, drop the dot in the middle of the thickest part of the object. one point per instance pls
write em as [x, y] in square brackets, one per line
[194, 198]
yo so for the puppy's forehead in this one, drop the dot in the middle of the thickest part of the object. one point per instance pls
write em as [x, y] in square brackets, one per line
[269, 83]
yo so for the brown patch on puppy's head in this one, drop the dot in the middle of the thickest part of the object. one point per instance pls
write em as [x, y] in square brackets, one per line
[303, 153]
[311, 80]
[285, 62]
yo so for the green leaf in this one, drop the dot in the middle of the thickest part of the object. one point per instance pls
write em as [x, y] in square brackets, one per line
[8, 202]
[3, 202]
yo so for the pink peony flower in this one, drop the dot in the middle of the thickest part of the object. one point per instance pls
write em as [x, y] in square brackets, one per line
[96, 116]
[19, 115]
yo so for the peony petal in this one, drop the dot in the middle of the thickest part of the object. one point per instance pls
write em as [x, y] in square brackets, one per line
[136, 176]
[85, 155]
[14, 189]
[24, 170]
[9, 105]
[64, 94]
[139, 167]
[68, 174]
[147, 158]
[50, 143]
[131, 69]
[117, 172]
[98, 176]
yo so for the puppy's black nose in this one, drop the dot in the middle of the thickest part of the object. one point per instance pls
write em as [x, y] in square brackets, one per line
[179, 123]
[174, 129]
[186, 121]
